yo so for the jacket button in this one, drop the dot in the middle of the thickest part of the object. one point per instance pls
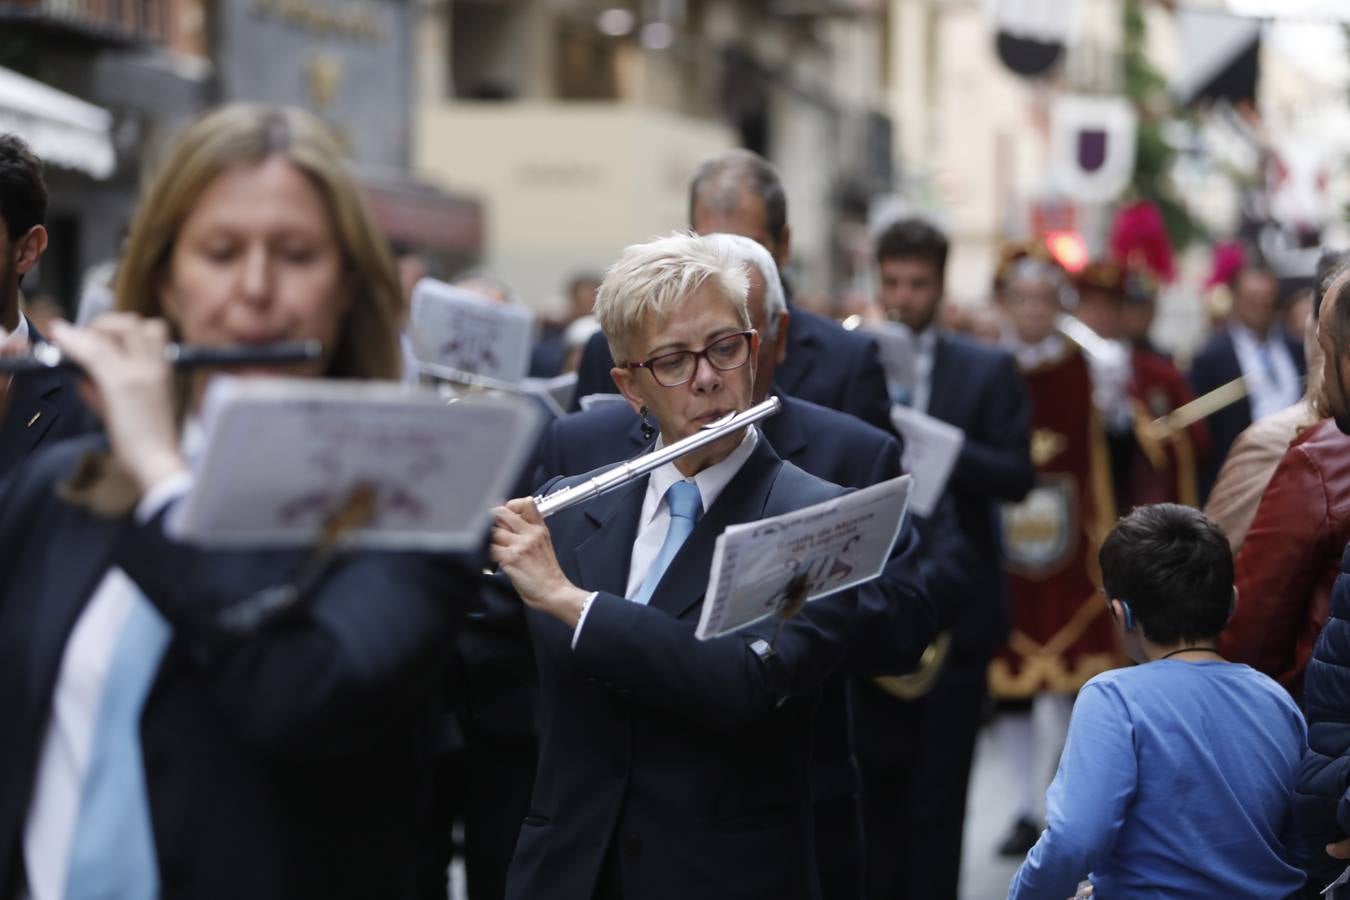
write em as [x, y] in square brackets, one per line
[632, 846]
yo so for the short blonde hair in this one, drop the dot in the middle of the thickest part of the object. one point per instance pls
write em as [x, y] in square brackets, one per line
[242, 134]
[654, 278]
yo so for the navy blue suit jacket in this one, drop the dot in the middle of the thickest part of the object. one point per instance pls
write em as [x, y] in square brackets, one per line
[978, 389]
[290, 763]
[685, 763]
[38, 410]
[1215, 365]
[896, 615]
[825, 365]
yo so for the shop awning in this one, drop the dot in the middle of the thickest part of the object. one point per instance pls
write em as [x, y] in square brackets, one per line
[64, 131]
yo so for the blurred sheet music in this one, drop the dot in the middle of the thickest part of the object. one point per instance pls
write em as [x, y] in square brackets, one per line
[281, 455]
[591, 401]
[556, 392]
[838, 544]
[457, 328]
[931, 449]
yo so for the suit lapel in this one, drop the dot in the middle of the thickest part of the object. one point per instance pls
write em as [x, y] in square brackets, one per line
[603, 558]
[792, 372]
[686, 581]
[784, 430]
[31, 411]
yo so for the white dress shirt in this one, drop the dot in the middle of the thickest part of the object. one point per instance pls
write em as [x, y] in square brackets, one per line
[1272, 378]
[54, 808]
[1032, 356]
[654, 520]
[17, 339]
[925, 354]
[13, 343]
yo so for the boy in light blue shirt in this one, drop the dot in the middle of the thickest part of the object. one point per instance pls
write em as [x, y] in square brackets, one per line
[1177, 775]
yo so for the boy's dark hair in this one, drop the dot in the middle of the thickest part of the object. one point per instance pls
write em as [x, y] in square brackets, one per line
[23, 194]
[914, 239]
[1173, 566]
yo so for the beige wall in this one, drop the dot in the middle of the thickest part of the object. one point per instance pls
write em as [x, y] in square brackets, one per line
[565, 186]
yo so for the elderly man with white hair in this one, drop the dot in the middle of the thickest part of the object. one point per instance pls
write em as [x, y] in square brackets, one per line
[670, 767]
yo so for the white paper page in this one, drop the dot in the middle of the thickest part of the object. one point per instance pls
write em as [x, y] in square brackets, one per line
[838, 544]
[897, 351]
[283, 454]
[591, 401]
[931, 449]
[555, 392]
[457, 328]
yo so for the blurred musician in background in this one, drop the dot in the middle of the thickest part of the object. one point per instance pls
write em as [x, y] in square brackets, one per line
[43, 408]
[1061, 635]
[916, 755]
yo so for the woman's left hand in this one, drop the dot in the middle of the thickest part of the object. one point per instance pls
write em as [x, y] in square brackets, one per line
[523, 547]
[130, 386]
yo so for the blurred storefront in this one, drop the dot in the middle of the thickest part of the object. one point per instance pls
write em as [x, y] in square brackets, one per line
[580, 123]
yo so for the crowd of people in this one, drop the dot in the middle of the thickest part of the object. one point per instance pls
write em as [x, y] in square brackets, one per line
[542, 708]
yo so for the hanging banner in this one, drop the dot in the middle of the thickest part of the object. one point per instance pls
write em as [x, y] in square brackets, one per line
[1092, 146]
[1032, 34]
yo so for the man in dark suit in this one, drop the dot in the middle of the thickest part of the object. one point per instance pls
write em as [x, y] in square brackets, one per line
[669, 767]
[740, 193]
[1253, 346]
[916, 755]
[33, 408]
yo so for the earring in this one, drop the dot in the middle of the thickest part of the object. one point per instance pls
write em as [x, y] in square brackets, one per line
[648, 429]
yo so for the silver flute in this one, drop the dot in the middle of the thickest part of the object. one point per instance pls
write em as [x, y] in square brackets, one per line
[635, 468]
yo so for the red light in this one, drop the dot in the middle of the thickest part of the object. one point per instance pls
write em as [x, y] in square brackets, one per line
[1068, 249]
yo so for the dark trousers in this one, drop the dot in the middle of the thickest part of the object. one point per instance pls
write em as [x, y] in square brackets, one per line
[486, 786]
[915, 758]
[839, 847]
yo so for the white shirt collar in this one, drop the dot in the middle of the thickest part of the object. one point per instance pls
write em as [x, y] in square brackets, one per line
[1031, 356]
[1242, 334]
[710, 482]
[18, 338]
[926, 340]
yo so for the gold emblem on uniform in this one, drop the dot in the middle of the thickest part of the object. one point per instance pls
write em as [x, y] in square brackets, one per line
[1046, 445]
[1040, 533]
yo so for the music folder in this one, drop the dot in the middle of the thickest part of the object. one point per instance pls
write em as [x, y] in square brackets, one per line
[282, 455]
[836, 545]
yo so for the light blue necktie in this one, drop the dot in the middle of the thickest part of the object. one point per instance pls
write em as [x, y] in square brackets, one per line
[112, 854]
[685, 504]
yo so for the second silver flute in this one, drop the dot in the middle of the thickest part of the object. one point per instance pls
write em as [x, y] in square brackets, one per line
[635, 468]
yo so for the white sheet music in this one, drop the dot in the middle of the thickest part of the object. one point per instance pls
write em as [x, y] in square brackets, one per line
[931, 449]
[836, 544]
[283, 454]
[591, 401]
[459, 329]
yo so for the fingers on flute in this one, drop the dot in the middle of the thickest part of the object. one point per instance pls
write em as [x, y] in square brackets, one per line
[524, 507]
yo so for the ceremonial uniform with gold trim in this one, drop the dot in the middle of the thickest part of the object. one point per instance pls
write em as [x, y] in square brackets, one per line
[1061, 634]
[1163, 469]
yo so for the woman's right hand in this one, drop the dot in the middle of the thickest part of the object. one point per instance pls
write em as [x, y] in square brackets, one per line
[130, 386]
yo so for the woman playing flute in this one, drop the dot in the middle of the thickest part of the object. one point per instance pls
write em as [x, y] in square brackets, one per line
[148, 752]
[669, 767]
